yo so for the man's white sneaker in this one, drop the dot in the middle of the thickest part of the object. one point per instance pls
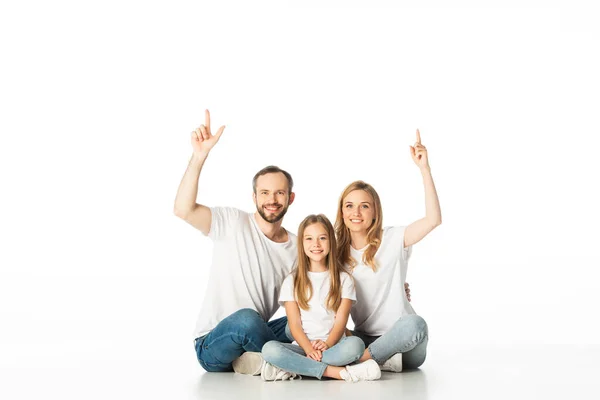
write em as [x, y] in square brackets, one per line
[249, 363]
[365, 371]
[393, 364]
[269, 372]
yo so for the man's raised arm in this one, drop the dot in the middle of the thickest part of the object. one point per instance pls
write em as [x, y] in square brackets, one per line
[186, 207]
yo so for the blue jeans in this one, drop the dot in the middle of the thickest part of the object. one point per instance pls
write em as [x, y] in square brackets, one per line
[409, 336]
[292, 358]
[242, 331]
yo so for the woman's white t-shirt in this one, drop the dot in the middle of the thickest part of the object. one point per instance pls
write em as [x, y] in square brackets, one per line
[317, 321]
[381, 299]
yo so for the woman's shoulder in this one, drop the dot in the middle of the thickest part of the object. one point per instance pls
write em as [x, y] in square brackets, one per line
[392, 233]
[344, 275]
[396, 229]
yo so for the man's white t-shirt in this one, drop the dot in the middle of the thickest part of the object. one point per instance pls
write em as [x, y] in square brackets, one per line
[381, 296]
[317, 321]
[247, 268]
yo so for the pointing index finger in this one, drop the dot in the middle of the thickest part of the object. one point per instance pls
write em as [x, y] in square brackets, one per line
[418, 137]
[207, 120]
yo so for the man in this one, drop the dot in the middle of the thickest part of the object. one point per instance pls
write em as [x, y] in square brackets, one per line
[252, 255]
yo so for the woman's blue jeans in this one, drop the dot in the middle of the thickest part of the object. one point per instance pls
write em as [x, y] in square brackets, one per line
[409, 336]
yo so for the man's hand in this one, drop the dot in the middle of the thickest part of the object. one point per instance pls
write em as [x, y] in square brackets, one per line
[407, 290]
[202, 138]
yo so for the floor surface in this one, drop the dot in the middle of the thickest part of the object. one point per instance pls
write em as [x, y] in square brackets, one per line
[541, 372]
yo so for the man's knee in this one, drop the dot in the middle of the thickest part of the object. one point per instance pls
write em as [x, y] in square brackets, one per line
[246, 313]
[248, 319]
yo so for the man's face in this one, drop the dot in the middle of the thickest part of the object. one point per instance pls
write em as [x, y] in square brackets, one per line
[272, 198]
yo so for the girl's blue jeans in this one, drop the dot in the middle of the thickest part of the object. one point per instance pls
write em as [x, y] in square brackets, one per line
[292, 358]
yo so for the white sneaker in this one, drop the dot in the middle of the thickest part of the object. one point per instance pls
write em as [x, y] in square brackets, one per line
[249, 363]
[365, 371]
[269, 372]
[393, 364]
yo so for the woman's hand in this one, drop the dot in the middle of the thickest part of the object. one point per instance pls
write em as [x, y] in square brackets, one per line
[419, 153]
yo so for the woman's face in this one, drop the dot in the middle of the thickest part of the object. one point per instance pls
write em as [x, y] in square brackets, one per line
[358, 210]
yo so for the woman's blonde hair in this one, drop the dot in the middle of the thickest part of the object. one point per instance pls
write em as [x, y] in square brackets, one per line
[303, 289]
[374, 232]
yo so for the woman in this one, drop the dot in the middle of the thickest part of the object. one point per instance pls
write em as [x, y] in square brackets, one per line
[378, 258]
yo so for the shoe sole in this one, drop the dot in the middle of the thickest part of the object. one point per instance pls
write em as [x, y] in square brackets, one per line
[248, 363]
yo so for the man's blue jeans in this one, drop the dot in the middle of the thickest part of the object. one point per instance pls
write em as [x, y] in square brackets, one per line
[242, 331]
[409, 336]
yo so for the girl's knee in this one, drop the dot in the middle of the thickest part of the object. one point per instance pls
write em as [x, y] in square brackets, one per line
[271, 351]
[354, 345]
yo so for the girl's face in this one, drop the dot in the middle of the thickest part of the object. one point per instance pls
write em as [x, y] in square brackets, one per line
[358, 211]
[316, 243]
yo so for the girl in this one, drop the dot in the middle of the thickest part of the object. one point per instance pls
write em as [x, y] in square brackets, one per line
[317, 297]
[378, 259]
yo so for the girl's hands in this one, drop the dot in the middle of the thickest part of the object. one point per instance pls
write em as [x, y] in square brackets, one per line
[315, 355]
[319, 345]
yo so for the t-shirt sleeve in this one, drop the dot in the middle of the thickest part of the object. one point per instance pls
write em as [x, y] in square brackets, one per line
[287, 290]
[223, 221]
[348, 290]
[405, 252]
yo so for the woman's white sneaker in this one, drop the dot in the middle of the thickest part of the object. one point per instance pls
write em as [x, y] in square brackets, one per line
[365, 371]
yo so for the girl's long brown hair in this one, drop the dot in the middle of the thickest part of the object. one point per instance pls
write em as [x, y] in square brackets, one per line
[303, 289]
[374, 232]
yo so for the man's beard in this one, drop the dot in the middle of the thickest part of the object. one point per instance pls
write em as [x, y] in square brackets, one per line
[274, 217]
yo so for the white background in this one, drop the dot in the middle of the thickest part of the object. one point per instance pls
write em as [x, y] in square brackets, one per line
[98, 99]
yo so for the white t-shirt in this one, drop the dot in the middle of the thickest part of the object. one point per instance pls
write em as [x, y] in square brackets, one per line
[317, 321]
[381, 296]
[247, 268]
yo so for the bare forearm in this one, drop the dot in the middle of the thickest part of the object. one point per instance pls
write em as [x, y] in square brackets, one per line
[335, 335]
[433, 212]
[301, 338]
[185, 201]
[341, 320]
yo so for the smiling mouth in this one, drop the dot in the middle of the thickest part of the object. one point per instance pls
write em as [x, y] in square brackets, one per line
[356, 220]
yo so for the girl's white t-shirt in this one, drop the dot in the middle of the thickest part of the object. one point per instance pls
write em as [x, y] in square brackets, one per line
[317, 321]
[380, 293]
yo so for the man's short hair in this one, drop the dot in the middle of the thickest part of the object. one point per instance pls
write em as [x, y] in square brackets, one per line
[270, 170]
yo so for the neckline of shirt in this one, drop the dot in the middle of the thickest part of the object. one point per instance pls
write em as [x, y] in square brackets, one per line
[318, 272]
[251, 216]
